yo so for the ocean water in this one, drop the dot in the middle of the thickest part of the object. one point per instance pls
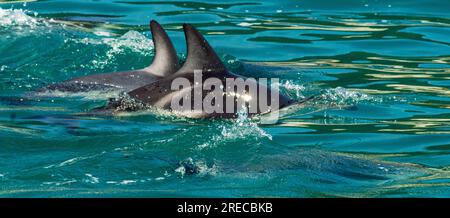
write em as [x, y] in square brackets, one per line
[381, 127]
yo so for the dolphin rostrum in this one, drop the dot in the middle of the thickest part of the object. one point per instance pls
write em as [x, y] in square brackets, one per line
[165, 63]
[201, 61]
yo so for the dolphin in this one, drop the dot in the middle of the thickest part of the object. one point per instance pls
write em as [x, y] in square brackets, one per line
[356, 167]
[200, 57]
[165, 63]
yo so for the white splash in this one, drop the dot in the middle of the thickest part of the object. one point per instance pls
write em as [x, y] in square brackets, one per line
[20, 19]
[132, 40]
[91, 179]
[241, 128]
[127, 182]
[201, 167]
[245, 24]
[10, 17]
[292, 86]
[344, 96]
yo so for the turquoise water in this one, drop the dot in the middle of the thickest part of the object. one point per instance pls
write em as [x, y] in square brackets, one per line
[381, 127]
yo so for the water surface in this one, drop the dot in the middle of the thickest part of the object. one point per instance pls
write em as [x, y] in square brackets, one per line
[380, 129]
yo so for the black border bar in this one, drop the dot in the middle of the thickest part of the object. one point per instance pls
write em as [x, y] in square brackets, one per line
[236, 206]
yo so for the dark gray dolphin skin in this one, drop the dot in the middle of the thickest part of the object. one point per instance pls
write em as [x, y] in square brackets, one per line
[321, 163]
[164, 64]
[200, 56]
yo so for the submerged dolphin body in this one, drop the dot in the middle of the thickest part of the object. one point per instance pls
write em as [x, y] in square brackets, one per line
[200, 56]
[164, 64]
[310, 160]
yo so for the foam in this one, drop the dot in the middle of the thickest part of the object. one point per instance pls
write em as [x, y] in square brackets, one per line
[20, 19]
[132, 40]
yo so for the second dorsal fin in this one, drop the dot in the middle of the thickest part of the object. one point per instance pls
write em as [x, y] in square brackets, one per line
[165, 62]
[200, 55]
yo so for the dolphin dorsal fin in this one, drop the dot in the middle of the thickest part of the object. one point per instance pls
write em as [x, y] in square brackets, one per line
[165, 62]
[200, 55]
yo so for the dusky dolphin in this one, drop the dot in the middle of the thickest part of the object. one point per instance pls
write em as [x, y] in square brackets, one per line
[350, 166]
[165, 63]
[200, 56]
